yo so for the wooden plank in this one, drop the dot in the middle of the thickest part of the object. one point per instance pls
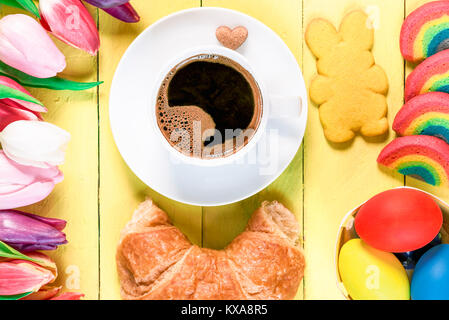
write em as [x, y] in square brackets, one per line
[120, 190]
[439, 192]
[338, 178]
[75, 199]
[223, 224]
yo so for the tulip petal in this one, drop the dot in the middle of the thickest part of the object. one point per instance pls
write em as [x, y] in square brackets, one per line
[35, 257]
[33, 247]
[28, 195]
[58, 224]
[12, 173]
[28, 106]
[20, 276]
[124, 12]
[27, 234]
[10, 114]
[38, 107]
[35, 143]
[24, 185]
[69, 21]
[69, 296]
[44, 261]
[54, 83]
[106, 3]
[44, 293]
[26, 46]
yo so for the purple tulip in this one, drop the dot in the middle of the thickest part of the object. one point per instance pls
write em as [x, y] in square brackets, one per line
[27, 232]
[124, 12]
[106, 3]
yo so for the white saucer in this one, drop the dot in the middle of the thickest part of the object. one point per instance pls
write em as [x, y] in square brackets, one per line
[139, 144]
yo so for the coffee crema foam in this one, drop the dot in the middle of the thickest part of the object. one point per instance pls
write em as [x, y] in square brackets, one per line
[189, 127]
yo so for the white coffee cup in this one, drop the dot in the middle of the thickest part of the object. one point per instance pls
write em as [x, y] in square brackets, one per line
[273, 106]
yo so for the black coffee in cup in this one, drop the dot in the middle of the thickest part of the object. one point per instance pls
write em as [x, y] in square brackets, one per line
[209, 106]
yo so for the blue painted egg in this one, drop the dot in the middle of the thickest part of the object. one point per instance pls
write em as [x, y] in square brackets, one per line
[431, 277]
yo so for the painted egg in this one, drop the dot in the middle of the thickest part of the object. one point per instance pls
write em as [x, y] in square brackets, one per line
[431, 277]
[410, 258]
[371, 274]
[399, 220]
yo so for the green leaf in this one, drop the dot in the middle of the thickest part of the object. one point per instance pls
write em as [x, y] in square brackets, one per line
[10, 93]
[15, 297]
[23, 4]
[11, 253]
[11, 3]
[29, 6]
[54, 83]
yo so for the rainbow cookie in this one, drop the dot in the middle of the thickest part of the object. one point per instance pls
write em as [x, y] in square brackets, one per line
[426, 114]
[431, 75]
[423, 157]
[425, 31]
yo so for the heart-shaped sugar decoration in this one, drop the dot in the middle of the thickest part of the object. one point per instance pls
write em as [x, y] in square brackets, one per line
[232, 38]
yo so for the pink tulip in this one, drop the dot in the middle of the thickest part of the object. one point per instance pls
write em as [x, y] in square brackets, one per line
[45, 293]
[26, 46]
[24, 185]
[69, 21]
[9, 114]
[13, 102]
[44, 261]
[69, 296]
[14, 110]
[20, 276]
[51, 293]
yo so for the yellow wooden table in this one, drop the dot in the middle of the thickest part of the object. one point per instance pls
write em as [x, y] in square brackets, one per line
[321, 185]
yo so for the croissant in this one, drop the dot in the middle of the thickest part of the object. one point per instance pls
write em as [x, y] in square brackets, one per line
[156, 261]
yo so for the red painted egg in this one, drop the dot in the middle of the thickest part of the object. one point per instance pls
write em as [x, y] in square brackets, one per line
[399, 220]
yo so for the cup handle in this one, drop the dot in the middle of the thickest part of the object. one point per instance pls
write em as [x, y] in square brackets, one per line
[286, 106]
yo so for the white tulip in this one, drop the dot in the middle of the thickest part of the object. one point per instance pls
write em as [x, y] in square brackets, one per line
[35, 143]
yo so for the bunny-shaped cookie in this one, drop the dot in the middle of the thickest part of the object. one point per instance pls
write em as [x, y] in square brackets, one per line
[350, 88]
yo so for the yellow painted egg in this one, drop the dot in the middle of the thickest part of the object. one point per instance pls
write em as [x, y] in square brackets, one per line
[371, 274]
